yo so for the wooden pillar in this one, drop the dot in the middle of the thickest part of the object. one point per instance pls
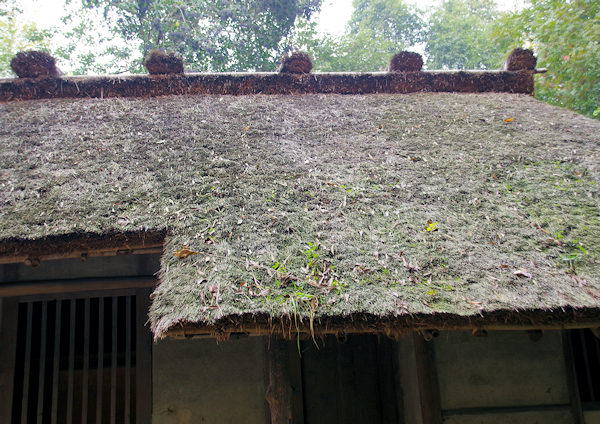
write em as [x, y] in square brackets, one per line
[143, 354]
[429, 392]
[8, 346]
[281, 396]
[574, 399]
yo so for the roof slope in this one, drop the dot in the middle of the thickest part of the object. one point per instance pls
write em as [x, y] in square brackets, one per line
[399, 207]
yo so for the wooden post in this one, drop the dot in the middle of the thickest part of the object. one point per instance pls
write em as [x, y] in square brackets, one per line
[279, 393]
[143, 355]
[429, 392]
[574, 398]
[8, 342]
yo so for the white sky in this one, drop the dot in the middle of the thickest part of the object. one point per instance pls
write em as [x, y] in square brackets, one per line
[332, 19]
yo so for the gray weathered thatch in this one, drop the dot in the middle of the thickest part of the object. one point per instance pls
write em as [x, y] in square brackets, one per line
[336, 212]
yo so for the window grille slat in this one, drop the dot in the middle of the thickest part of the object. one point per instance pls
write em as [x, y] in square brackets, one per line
[100, 364]
[71, 368]
[86, 362]
[27, 364]
[127, 359]
[42, 373]
[56, 361]
[113, 364]
[586, 360]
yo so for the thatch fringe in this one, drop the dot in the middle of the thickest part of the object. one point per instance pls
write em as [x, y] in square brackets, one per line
[289, 328]
[267, 83]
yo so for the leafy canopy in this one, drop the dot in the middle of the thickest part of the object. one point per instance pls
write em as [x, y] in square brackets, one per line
[212, 35]
[460, 36]
[377, 29]
[17, 35]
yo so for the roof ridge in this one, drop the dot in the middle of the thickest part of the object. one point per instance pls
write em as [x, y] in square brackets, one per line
[267, 83]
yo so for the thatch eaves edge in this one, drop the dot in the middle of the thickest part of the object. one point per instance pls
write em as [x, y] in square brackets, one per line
[80, 245]
[266, 83]
[291, 327]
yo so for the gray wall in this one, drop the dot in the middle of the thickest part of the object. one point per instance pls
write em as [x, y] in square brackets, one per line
[504, 369]
[202, 381]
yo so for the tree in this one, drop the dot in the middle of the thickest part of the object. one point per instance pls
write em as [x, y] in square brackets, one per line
[377, 30]
[460, 36]
[565, 35]
[214, 35]
[15, 36]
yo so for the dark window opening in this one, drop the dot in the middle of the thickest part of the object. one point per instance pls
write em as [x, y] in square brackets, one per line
[76, 361]
[586, 355]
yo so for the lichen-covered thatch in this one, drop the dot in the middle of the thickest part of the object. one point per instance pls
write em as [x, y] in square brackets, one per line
[338, 212]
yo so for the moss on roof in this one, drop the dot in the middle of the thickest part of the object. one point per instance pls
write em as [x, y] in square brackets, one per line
[321, 206]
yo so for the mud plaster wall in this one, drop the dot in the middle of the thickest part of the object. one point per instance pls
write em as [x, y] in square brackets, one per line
[200, 381]
[504, 369]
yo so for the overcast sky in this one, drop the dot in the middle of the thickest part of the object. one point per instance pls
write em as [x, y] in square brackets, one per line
[332, 19]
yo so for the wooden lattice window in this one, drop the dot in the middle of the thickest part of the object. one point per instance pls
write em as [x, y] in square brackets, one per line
[83, 357]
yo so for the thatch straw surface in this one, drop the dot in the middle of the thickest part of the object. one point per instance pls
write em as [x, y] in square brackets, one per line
[406, 62]
[413, 210]
[159, 62]
[34, 64]
[296, 63]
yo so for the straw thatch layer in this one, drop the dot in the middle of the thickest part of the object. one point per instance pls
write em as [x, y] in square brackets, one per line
[321, 207]
[282, 83]
[34, 64]
[406, 62]
[296, 63]
[158, 62]
[520, 59]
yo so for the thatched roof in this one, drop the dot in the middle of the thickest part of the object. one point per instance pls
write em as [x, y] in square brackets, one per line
[341, 212]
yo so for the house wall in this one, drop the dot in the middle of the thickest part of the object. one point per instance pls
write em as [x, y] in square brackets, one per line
[202, 381]
[504, 377]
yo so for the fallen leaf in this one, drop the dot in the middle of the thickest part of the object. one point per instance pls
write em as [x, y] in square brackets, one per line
[522, 272]
[509, 120]
[184, 252]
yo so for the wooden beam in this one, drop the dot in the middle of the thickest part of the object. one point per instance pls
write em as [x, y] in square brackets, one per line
[183, 331]
[74, 286]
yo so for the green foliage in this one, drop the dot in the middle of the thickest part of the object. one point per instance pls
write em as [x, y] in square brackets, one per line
[377, 30]
[565, 35]
[17, 35]
[460, 36]
[221, 35]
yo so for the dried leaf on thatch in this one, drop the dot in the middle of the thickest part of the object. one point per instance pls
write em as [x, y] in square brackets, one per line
[185, 252]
